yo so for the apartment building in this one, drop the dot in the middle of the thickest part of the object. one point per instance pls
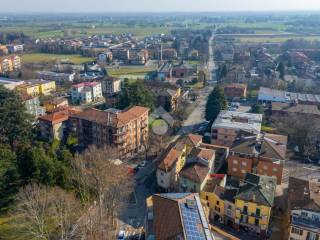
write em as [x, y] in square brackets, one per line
[304, 209]
[228, 125]
[111, 86]
[10, 83]
[32, 104]
[263, 154]
[55, 103]
[176, 216]
[57, 77]
[9, 64]
[15, 48]
[254, 202]
[86, 92]
[56, 124]
[241, 204]
[235, 90]
[38, 87]
[125, 130]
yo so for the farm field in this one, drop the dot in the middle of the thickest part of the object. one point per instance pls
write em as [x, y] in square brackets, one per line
[44, 57]
[276, 39]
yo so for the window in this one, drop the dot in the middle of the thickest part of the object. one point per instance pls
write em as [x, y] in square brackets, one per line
[256, 222]
[275, 169]
[207, 197]
[244, 164]
[258, 211]
[265, 167]
[235, 161]
[218, 202]
[243, 171]
[161, 173]
[245, 209]
[296, 231]
[234, 169]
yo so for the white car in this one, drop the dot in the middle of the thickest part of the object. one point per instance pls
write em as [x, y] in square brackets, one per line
[121, 235]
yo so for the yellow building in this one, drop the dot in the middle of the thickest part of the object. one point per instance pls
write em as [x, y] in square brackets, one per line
[38, 87]
[29, 89]
[57, 102]
[254, 202]
[46, 87]
[9, 64]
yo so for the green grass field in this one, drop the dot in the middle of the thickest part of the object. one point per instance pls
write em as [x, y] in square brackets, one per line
[273, 39]
[43, 57]
[73, 30]
[135, 70]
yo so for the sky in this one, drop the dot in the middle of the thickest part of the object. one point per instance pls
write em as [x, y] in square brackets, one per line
[155, 5]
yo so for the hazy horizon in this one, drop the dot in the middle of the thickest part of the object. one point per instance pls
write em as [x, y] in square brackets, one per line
[143, 6]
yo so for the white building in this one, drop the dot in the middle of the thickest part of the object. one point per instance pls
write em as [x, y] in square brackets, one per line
[111, 86]
[228, 125]
[10, 83]
[86, 92]
[57, 77]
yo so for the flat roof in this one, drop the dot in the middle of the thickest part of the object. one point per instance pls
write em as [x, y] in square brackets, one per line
[9, 80]
[249, 122]
[289, 96]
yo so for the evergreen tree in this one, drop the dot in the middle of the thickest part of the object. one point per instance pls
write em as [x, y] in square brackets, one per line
[216, 102]
[16, 127]
[136, 94]
[281, 70]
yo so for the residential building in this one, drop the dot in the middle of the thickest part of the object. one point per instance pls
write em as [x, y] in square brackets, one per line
[15, 48]
[235, 90]
[38, 87]
[197, 169]
[176, 216]
[169, 54]
[32, 104]
[55, 103]
[122, 54]
[10, 83]
[219, 196]
[126, 130]
[253, 202]
[173, 159]
[263, 155]
[228, 125]
[111, 86]
[55, 125]
[3, 50]
[86, 92]
[166, 94]
[55, 76]
[165, 72]
[304, 209]
[185, 165]
[268, 96]
[9, 64]
[184, 71]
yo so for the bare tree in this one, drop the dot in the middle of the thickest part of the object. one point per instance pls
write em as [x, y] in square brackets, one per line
[31, 210]
[65, 209]
[43, 213]
[303, 132]
[110, 184]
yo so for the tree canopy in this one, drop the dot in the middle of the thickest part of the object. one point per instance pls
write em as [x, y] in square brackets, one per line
[216, 102]
[136, 94]
[15, 122]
